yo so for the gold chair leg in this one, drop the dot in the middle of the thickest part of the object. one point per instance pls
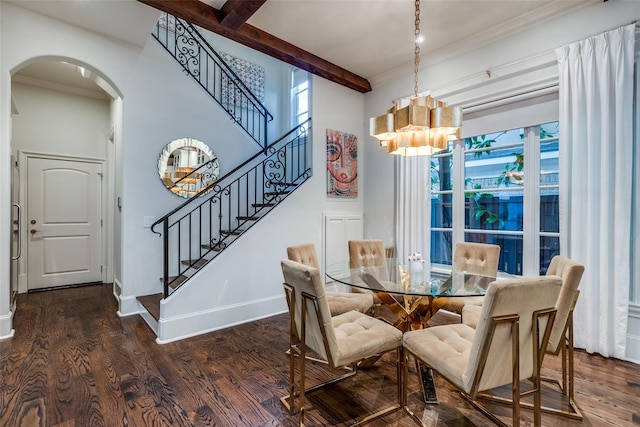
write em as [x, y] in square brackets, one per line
[392, 408]
[565, 385]
[405, 381]
[289, 400]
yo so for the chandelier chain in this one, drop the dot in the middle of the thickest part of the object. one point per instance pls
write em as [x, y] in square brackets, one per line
[416, 49]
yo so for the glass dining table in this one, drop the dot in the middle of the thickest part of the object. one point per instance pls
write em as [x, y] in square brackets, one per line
[408, 290]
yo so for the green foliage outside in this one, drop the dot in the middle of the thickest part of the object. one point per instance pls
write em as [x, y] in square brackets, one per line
[512, 174]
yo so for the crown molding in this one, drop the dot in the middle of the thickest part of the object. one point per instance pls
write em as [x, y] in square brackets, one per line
[530, 19]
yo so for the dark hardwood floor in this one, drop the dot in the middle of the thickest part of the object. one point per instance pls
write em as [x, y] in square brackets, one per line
[74, 363]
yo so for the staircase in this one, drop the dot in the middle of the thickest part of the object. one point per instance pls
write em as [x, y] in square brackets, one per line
[200, 61]
[196, 232]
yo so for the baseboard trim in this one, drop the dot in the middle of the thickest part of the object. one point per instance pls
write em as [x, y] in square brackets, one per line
[128, 306]
[193, 324]
[633, 338]
[6, 326]
[117, 288]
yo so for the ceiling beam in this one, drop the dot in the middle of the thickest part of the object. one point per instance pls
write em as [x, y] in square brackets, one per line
[209, 18]
[237, 12]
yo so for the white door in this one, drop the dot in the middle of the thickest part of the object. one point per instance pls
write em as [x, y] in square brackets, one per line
[63, 222]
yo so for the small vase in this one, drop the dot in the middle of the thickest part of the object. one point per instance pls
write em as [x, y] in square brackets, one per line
[417, 271]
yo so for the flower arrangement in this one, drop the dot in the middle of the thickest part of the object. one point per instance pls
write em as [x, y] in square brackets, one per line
[415, 256]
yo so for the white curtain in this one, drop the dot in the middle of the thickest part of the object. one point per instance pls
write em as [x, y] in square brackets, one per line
[413, 216]
[596, 159]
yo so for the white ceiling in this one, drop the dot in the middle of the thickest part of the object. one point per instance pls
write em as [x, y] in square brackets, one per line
[371, 37]
[367, 37]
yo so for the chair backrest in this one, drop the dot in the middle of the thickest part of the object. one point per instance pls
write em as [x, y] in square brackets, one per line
[368, 253]
[304, 254]
[570, 272]
[319, 332]
[476, 258]
[522, 297]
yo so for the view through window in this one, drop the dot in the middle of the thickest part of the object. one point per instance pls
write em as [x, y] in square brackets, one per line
[299, 96]
[499, 188]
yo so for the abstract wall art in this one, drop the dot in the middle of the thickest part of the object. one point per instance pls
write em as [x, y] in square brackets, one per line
[342, 164]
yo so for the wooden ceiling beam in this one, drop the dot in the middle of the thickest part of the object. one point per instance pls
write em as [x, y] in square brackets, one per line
[209, 18]
[237, 12]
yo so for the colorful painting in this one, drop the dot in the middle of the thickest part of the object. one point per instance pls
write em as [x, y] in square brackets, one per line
[252, 75]
[342, 164]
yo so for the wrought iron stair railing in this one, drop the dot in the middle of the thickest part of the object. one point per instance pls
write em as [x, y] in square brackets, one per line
[197, 231]
[198, 59]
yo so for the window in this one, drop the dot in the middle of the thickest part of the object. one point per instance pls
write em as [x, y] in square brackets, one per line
[499, 188]
[299, 96]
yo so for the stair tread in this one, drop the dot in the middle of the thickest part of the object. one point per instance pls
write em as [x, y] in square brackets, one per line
[288, 184]
[232, 232]
[197, 264]
[248, 218]
[212, 247]
[263, 205]
[152, 304]
[275, 193]
[175, 281]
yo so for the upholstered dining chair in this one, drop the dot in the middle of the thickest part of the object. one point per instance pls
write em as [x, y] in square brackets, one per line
[368, 253]
[474, 258]
[561, 339]
[341, 340]
[507, 346]
[339, 302]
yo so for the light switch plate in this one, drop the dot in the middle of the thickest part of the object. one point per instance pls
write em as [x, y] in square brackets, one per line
[148, 221]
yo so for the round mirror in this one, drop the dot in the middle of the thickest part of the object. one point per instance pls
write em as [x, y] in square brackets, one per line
[187, 166]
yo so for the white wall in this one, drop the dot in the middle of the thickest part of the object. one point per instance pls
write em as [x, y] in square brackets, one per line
[245, 281]
[6, 316]
[450, 75]
[159, 103]
[26, 37]
[115, 168]
[54, 121]
[163, 104]
[276, 74]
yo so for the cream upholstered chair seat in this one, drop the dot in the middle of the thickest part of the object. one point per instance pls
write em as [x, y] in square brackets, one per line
[358, 337]
[474, 258]
[500, 350]
[340, 340]
[339, 302]
[450, 349]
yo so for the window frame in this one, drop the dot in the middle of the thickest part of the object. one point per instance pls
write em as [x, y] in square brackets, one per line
[297, 117]
[530, 233]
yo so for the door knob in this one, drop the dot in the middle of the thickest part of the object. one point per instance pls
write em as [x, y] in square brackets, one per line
[33, 221]
[34, 231]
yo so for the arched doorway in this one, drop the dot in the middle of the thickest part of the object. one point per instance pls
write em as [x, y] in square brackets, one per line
[63, 135]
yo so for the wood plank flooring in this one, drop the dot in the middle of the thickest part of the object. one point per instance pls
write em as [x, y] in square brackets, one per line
[74, 363]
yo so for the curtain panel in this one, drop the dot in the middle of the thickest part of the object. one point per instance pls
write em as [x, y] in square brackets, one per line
[413, 216]
[596, 165]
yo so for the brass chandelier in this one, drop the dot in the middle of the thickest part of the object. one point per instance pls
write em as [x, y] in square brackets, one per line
[419, 125]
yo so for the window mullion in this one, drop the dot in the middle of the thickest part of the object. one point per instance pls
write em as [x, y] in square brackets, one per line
[531, 203]
[458, 193]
